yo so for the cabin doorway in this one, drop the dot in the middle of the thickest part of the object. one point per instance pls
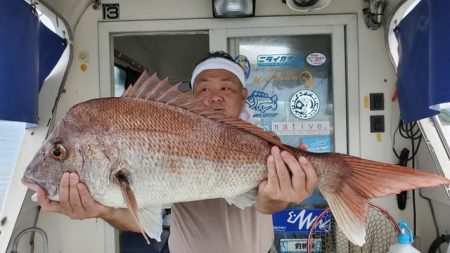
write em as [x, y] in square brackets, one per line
[172, 55]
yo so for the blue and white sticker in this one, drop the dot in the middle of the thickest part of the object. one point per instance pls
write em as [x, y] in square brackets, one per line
[245, 64]
[279, 60]
[316, 59]
[317, 144]
[300, 245]
[300, 220]
[305, 104]
[261, 101]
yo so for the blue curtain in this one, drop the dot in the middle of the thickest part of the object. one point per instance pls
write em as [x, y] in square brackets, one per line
[423, 83]
[28, 53]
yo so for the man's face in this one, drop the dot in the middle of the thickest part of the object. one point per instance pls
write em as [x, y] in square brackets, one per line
[221, 90]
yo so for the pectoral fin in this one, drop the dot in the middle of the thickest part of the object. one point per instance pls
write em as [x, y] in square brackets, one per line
[120, 177]
[244, 200]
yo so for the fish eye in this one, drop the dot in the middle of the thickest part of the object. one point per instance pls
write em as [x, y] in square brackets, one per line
[58, 152]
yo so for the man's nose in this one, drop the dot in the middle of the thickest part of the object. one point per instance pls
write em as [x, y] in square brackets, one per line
[215, 98]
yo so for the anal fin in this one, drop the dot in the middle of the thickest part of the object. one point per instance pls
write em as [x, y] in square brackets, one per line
[349, 208]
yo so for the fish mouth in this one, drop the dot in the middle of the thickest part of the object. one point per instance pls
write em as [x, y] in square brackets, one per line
[50, 188]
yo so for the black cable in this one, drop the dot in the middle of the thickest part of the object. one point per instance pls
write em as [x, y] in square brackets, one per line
[414, 165]
[412, 132]
[437, 242]
[406, 131]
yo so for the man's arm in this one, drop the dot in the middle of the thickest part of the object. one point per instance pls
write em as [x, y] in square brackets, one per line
[281, 188]
[77, 203]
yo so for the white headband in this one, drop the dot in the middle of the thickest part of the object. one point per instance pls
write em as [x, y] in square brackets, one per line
[219, 63]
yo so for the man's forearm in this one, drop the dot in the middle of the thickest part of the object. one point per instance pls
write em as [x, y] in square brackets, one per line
[121, 219]
[270, 207]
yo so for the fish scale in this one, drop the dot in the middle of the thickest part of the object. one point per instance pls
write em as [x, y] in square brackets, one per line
[147, 149]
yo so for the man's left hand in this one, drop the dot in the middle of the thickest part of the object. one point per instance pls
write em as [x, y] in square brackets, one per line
[281, 188]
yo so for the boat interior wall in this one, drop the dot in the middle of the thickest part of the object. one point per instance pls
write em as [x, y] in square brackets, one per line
[434, 203]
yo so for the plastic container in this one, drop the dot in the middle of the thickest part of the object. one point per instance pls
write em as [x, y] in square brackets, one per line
[404, 240]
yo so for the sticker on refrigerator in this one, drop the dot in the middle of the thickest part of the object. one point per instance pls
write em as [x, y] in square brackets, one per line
[300, 220]
[316, 59]
[299, 245]
[245, 64]
[302, 128]
[305, 104]
[262, 102]
[307, 78]
[279, 60]
[317, 144]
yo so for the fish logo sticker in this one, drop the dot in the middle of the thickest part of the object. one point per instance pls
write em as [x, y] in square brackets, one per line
[304, 104]
[262, 102]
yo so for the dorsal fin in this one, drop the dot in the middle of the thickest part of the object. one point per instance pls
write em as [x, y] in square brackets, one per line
[152, 88]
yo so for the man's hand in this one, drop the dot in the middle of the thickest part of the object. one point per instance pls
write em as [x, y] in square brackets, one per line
[75, 200]
[281, 188]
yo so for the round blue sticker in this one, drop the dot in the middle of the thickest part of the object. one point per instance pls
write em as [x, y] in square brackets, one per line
[245, 64]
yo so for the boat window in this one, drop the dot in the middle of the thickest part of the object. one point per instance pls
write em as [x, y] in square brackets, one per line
[443, 123]
[11, 136]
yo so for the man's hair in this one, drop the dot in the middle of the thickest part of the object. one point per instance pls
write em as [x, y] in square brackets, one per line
[218, 54]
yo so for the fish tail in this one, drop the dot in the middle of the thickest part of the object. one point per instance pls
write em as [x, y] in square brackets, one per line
[376, 179]
[354, 181]
[274, 99]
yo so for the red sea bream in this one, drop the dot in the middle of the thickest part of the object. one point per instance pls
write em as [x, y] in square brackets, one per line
[156, 146]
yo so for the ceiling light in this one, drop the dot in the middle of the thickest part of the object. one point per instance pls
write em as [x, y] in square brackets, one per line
[233, 8]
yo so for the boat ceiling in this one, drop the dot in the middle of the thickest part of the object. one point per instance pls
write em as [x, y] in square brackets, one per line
[72, 10]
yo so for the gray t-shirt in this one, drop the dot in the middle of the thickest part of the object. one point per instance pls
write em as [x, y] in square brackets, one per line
[215, 226]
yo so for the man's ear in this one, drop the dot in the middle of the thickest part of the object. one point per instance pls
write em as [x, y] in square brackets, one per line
[244, 94]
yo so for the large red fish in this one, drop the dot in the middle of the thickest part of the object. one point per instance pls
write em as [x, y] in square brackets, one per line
[156, 145]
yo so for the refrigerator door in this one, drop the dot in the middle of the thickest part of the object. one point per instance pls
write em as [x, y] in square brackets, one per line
[296, 85]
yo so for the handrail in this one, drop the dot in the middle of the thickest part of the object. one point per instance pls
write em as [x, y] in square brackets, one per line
[29, 230]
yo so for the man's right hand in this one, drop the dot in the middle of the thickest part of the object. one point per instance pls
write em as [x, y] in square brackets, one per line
[75, 200]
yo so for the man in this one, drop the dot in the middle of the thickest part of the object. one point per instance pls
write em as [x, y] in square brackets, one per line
[209, 225]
